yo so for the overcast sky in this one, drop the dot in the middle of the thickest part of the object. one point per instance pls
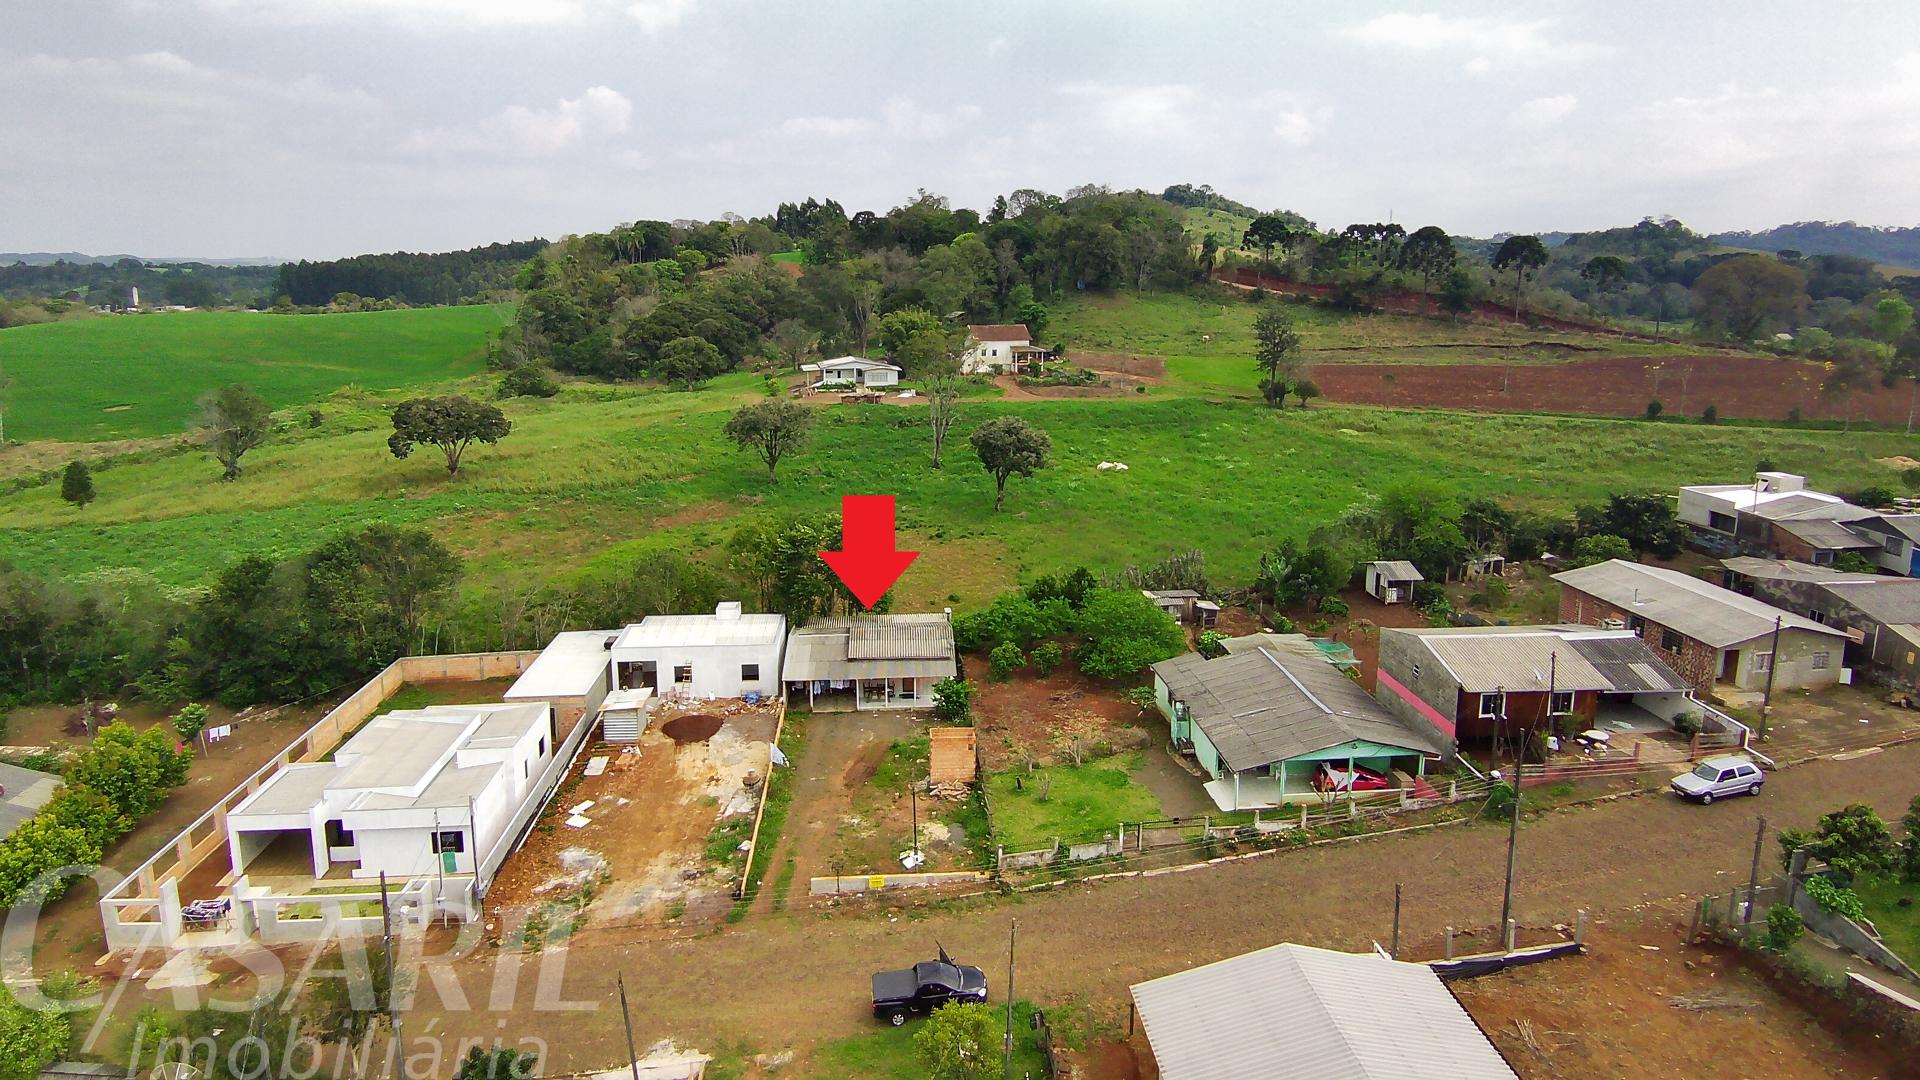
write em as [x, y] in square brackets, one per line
[319, 128]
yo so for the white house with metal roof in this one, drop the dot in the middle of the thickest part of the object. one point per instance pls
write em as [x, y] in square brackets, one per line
[572, 674]
[870, 661]
[1293, 1010]
[727, 654]
[1274, 722]
[413, 792]
[854, 371]
[1391, 581]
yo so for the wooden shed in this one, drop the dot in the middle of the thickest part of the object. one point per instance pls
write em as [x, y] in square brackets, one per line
[950, 756]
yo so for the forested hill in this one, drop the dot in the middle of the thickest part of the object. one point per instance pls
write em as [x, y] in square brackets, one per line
[1880, 243]
[408, 277]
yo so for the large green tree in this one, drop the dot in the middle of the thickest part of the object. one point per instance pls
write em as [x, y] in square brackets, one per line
[1741, 295]
[960, 1042]
[30, 1039]
[771, 429]
[1276, 352]
[1429, 252]
[76, 484]
[232, 420]
[1522, 256]
[1008, 445]
[372, 590]
[450, 423]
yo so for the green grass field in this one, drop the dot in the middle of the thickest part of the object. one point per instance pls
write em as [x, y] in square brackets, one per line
[887, 1053]
[1081, 801]
[794, 257]
[130, 376]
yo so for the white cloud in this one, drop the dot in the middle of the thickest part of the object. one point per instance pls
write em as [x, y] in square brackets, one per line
[523, 132]
[168, 81]
[824, 127]
[653, 16]
[1299, 126]
[998, 46]
[906, 119]
[657, 15]
[1489, 40]
[1543, 112]
[1150, 111]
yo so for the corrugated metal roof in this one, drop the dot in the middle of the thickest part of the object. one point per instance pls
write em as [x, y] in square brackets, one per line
[1700, 610]
[1826, 534]
[872, 647]
[1893, 601]
[1279, 700]
[1789, 570]
[999, 332]
[1807, 505]
[1483, 659]
[1397, 570]
[1907, 525]
[1292, 1010]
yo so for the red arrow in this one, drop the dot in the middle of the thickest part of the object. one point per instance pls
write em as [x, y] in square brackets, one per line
[868, 562]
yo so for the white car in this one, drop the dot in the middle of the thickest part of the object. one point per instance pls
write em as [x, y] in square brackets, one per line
[1719, 776]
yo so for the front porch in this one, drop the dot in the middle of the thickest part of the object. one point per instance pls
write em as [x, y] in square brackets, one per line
[861, 695]
[1291, 782]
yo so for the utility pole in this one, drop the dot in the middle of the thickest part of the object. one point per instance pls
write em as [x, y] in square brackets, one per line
[1013, 928]
[1513, 837]
[1493, 758]
[1773, 664]
[913, 798]
[1395, 951]
[1753, 880]
[633, 1055]
[393, 1003]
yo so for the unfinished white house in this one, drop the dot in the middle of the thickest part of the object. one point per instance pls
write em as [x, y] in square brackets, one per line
[414, 792]
[571, 674]
[727, 654]
[870, 661]
[850, 372]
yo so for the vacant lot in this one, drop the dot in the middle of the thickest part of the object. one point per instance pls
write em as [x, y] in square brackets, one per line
[1640, 1004]
[1750, 387]
[138, 375]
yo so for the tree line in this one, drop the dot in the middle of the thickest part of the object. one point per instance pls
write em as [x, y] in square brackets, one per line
[449, 277]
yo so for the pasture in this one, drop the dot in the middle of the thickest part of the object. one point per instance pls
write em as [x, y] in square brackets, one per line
[135, 376]
[600, 477]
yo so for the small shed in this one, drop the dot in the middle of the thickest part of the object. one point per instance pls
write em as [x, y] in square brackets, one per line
[1184, 606]
[950, 757]
[1391, 581]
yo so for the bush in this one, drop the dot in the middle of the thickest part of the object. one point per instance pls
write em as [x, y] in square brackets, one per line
[1212, 644]
[953, 700]
[528, 380]
[1282, 624]
[1833, 899]
[1589, 550]
[190, 721]
[1654, 408]
[1783, 927]
[1853, 840]
[1005, 659]
[1687, 724]
[1126, 632]
[960, 1042]
[1013, 618]
[1711, 415]
[1047, 658]
[1333, 607]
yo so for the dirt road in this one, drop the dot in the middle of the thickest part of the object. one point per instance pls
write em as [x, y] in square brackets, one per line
[800, 979]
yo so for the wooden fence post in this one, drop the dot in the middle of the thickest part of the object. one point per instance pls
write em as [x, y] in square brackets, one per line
[1449, 942]
[1303, 815]
[1512, 925]
[1453, 791]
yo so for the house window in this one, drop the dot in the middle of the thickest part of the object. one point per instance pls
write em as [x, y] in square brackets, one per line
[543, 746]
[1820, 661]
[1762, 663]
[1818, 616]
[909, 689]
[1637, 624]
[749, 672]
[338, 835]
[1492, 705]
[1414, 671]
[1892, 545]
[526, 771]
[444, 842]
[1720, 521]
[1822, 558]
[1562, 703]
[683, 673]
[1669, 640]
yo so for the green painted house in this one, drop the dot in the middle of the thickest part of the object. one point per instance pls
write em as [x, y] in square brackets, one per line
[1265, 718]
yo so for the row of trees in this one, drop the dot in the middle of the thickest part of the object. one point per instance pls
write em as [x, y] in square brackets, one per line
[409, 277]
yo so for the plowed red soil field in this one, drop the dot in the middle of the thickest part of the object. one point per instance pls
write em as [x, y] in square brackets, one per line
[1747, 387]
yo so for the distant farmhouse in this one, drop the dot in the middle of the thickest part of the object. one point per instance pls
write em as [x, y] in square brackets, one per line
[995, 348]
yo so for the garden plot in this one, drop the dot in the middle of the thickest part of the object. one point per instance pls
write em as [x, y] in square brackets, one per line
[630, 844]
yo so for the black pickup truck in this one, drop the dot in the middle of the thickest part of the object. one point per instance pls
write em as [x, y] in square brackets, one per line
[925, 987]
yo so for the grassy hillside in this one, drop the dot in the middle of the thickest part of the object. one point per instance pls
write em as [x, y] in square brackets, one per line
[133, 376]
[598, 474]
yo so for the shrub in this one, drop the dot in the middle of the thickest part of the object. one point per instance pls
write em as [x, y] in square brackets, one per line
[1013, 618]
[1835, 900]
[1212, 643]
[133, 769]
[953, 700]
[1793, 415]
[1333, 607]
[1711, 415]
[1005, 659]
[528, 380]
[1687, 724]
[1853, 840]
[1783, 927]
[960, 1042]
[1909, 857]
[190, 720]
[1589, 550]
[1046, 658]
[1792, 840]
[1126, 632]
[1282, 624]
[1654, 408]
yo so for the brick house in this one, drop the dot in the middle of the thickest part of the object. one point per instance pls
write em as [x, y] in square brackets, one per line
[1711, 636]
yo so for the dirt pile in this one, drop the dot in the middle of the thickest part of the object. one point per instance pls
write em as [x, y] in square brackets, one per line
[693, 728]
